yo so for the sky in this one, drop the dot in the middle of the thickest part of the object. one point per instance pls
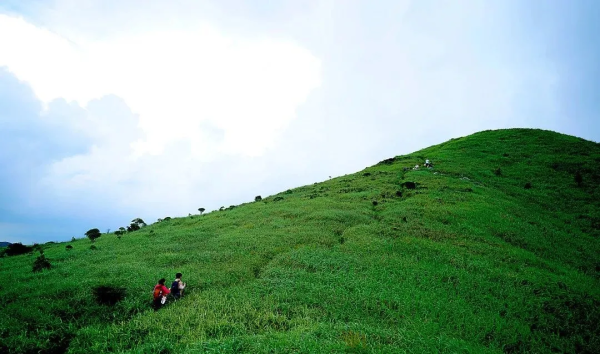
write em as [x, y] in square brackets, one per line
[112, 110]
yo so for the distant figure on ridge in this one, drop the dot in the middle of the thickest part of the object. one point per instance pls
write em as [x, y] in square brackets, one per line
[160, 294]
[177, 286]
[428, 163]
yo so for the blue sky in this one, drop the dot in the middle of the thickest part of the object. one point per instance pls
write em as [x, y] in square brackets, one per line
[113, 110]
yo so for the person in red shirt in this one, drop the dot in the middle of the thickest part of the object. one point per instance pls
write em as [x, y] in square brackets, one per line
[160, 294]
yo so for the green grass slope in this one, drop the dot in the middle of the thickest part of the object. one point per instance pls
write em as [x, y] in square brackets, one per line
[496, 250]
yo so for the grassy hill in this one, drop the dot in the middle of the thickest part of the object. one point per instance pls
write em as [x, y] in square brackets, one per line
[495, 250]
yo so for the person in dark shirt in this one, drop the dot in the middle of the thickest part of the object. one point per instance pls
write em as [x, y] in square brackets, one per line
[177, 286]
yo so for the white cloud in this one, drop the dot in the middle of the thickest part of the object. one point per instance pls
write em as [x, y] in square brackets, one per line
[176, 80]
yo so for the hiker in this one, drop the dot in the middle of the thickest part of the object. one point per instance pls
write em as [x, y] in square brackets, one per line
[177, 287]
[160, 294]
[428, 163]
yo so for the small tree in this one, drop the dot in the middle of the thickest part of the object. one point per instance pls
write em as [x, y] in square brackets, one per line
[41, 263]
[133, 227]
[136, 224]
[201, 210]
[93, 234]
[258, 198]
[138, 221]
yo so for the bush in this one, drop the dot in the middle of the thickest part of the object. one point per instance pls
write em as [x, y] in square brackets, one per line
[41, 263]
[108, 295]
[258, 198]
[93, 248]
[133, 227]
[93, 234]
[498, 172]
[409, 185]
[528, 185]
[15, 249]
[276, 199]
[69, 247]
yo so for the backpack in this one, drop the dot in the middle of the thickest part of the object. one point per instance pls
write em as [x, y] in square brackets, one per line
[157, 292]
[175, 288]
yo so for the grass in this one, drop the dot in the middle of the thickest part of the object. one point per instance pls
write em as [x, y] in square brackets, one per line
[470, 261]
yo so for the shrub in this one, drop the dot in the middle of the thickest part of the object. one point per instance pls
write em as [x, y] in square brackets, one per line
[93, 248]
[258, 198]
[528, 185]
[133, 227]
[93, 234]
[222, 208]
[69, 247]
[15, 249]
[276, 199]
[136, 224]
[409, 185]
[41, 263]
[498, 172]
[108, 295]
[138, 221]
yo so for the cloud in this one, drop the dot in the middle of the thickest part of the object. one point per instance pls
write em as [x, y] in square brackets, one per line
[245, 87]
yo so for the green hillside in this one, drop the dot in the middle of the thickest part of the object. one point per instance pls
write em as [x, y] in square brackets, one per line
[496, 250]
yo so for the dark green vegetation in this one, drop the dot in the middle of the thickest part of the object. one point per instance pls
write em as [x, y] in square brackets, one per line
[494, 250]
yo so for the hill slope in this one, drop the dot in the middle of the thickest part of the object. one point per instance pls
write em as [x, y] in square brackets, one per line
[496, 250]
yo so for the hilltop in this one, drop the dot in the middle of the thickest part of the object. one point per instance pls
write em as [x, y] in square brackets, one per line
[496, 249]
